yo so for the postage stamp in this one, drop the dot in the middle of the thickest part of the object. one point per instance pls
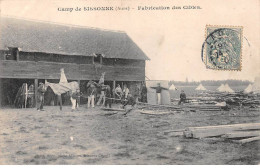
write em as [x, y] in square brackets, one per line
[222, 49]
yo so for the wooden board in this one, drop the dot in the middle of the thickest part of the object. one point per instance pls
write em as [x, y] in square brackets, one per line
[150, 112]
[248, 140]
[212, 131]
[112, 109]
[242, 134]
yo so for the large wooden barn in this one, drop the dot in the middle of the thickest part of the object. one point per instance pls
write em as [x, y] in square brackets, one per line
[31, 52]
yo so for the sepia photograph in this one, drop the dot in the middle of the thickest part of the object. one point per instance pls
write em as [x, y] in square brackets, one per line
[128, 82]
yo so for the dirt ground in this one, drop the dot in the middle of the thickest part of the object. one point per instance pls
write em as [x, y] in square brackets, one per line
[91, 136]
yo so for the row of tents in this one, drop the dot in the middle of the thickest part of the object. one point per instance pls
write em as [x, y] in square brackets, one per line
[255, 87]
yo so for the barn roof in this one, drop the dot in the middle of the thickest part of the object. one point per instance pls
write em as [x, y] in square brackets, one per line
[32, 36]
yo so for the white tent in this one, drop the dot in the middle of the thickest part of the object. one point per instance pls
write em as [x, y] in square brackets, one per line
[200, 87]
[248, 89]
[256, 85]
[220, 88]
[228, 89]
[172, 87]
[225, 88]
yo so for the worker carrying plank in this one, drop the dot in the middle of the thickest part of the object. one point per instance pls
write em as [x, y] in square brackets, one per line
[158, 92]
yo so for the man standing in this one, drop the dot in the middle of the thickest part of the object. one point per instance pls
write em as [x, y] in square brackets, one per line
[143, 93]
[31, 95]
[108, 96]
[40, 96]
[136, 92]
[182, 97]
[118, 92]
[158, 92]
[125, 92]
[73, 98]
[102, 95]
[91, 91]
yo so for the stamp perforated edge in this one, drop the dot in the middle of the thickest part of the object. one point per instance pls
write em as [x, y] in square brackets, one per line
[241, 50]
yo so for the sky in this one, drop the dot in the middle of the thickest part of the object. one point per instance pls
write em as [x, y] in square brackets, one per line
[171, 39]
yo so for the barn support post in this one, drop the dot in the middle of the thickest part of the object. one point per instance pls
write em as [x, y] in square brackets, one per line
[35, 92]
[78, 101]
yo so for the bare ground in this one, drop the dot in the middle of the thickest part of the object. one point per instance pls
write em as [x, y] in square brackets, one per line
[90, 136]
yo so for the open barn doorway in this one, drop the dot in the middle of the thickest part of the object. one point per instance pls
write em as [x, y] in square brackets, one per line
[9, 89]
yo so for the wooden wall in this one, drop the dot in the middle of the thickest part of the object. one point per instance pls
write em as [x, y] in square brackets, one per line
[73, 71]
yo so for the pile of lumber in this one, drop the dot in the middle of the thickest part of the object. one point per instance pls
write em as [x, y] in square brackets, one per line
[240, 133]
[156, 107]
[204, 107]
[234, 99]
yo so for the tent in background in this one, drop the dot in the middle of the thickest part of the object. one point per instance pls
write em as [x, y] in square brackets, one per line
[225, 88]
[256, 85]
[248, 89]
[200, 87]
[172, 87]
[220, 88]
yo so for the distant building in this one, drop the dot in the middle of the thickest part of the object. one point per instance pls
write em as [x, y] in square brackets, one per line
[31, 52]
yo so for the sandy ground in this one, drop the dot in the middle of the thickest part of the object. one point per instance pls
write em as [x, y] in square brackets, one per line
[90, 136]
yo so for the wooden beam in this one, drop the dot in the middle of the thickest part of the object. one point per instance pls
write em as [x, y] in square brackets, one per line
[213, 131]
[159, 105]
[248, 140]
[242, 134]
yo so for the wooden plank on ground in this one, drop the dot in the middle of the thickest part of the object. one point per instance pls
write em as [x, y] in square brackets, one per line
[242, 134]
[212, 131]
[112, 109]
[150, 112]
[248, 140]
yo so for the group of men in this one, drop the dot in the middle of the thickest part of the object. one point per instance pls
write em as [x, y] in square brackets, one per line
[124, 96]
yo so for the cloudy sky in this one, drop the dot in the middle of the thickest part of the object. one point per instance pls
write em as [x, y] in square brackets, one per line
[171, 39]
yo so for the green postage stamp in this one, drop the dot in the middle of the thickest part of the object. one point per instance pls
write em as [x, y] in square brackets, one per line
[222, 49]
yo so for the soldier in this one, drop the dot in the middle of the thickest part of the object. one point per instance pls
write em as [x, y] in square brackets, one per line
[182, 97]
[136, 92]
[31, 96]
[108, 95]
[125, 92]
[158, 92]
[118, 92]
[73, 98]
[102, 95]
[40, 96]
[143, 93]
[91, 91]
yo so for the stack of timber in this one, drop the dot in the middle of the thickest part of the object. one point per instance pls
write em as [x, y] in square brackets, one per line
[152, 112]
[204, 107]
[157, 107]
[239, 133]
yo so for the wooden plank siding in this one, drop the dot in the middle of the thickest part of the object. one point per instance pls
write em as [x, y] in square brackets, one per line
[73, 71]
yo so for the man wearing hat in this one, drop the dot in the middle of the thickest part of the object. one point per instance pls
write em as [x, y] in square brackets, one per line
[40, 96]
